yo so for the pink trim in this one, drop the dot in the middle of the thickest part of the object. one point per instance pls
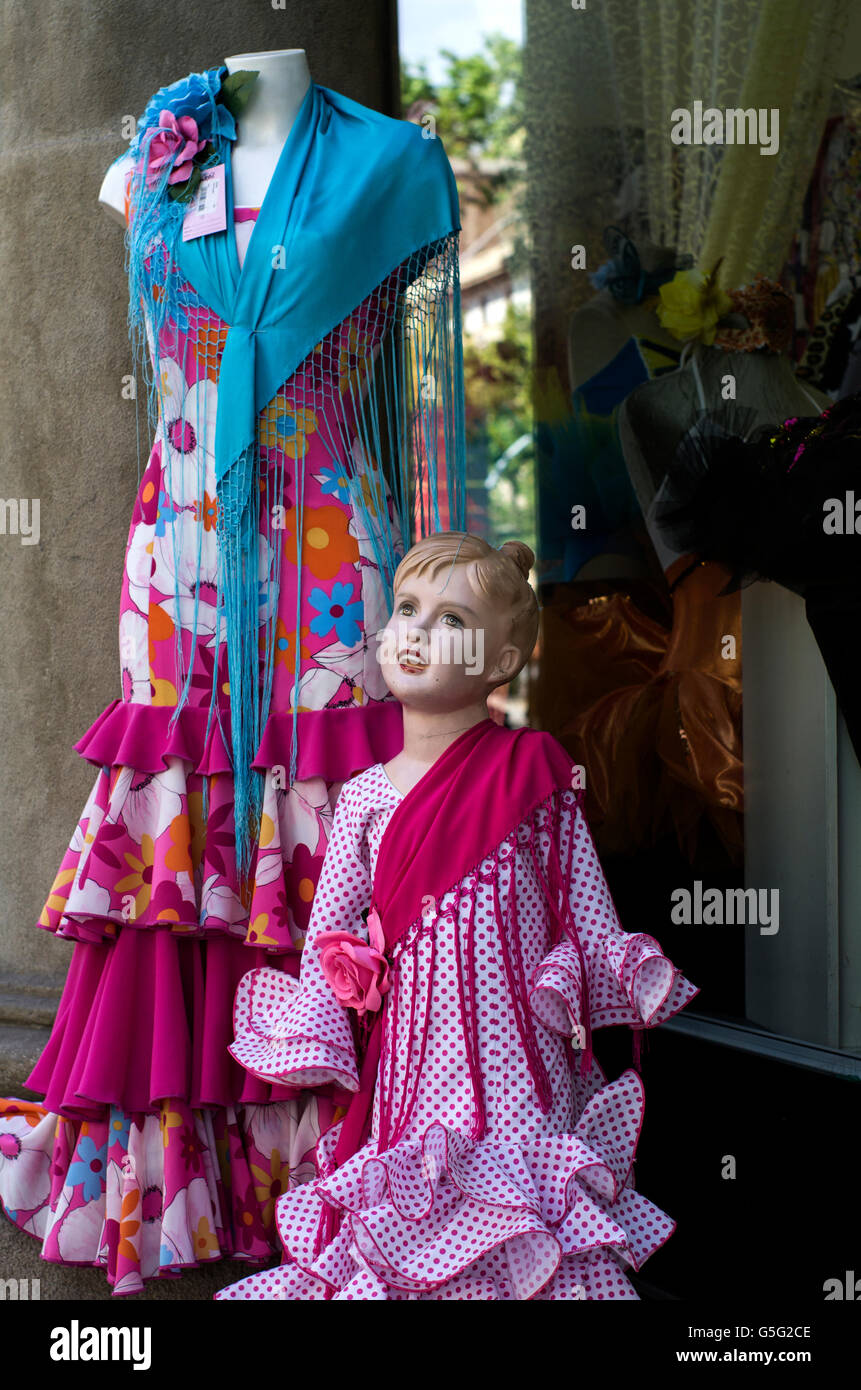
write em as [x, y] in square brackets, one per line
[333, 743]
[138, 736]
[550, 884]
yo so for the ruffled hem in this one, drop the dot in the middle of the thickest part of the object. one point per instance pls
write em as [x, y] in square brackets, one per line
[333, 743]
[548, 1217]
[144, 857]
[291, 1036]
[145, 1017]
[147, 1196]
[642, 988]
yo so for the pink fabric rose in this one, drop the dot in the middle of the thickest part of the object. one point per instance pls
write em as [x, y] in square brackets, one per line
[358, 974]
[177, 136]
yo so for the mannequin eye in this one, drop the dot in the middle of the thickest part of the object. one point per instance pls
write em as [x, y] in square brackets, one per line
[404, 606]
[457, 620]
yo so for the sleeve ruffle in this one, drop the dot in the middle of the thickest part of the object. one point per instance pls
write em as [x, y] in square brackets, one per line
[292, 1035]
[631, 982]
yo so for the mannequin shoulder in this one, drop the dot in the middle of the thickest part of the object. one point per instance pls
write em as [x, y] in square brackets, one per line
[362, 794]
[113, 190]
[536, 745]
[597, 332]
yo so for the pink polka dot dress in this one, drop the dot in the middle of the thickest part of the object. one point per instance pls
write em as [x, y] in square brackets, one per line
[541, 1205]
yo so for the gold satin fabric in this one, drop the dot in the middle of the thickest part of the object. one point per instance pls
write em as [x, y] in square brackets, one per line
[653, 715]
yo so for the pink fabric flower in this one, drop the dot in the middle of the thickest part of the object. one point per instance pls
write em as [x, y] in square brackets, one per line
[177, 136]
[358, 974]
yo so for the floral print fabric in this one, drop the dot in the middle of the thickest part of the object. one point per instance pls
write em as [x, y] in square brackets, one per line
[150, 1195]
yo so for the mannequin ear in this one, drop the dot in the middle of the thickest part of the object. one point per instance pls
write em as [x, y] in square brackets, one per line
[507, 662]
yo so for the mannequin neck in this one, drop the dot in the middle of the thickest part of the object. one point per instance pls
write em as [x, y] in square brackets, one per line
[283, 79]
[282, 83]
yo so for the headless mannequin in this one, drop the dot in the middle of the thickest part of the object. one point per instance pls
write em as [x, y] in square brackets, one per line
[284, 79]
[656, 415]
[597, 332]
[279, 91]
[601, 327]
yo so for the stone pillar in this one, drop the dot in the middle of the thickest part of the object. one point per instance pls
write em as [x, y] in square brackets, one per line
[68, 442]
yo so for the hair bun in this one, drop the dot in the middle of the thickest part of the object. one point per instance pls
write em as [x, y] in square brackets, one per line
[520, 553]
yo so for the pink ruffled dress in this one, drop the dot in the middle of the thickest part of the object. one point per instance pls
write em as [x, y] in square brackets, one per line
[154, 1151]
[542, 1205]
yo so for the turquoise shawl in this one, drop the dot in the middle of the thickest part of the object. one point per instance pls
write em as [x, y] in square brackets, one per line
[355, 196]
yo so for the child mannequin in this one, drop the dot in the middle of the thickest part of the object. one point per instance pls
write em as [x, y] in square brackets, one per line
[462, 946]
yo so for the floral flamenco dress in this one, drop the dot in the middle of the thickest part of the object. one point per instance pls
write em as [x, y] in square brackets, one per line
[499, 1163]
[153, 1150]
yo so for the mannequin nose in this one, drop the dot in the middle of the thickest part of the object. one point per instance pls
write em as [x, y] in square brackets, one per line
[415, 638]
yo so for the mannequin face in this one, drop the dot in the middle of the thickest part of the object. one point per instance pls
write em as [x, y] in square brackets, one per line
[444, 651]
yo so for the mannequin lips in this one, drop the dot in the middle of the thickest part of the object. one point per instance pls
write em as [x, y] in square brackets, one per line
[410, 663]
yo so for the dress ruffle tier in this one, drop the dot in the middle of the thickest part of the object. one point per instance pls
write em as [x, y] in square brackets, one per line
[443, 1217]
[142, 855]
[154, 1150]
[636, 982]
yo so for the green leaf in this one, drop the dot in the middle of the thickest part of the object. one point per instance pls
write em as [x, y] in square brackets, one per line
[184, 192]
[236, 90]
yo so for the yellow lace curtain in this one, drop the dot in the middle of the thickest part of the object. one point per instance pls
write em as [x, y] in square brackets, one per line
[725, 200]
[600, 85]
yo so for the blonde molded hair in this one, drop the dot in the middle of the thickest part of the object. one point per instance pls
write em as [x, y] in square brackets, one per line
[500, 574]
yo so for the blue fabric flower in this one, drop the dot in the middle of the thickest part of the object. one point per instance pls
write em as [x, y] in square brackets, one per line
[193, 95]
[88, 1169]
[333, 480]
[336, 611]
[166, 514]
[119, 1125]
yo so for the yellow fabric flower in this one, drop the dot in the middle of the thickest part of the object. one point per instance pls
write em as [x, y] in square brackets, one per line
[352, 360]
[205, 1241]
[286, 427]
[168, 1119]
[139, 881]
[268, 1186]
[257, 930]
[56, 901]
[691, 304]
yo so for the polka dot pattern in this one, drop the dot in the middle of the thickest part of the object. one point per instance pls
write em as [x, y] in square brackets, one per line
[542, 1206]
